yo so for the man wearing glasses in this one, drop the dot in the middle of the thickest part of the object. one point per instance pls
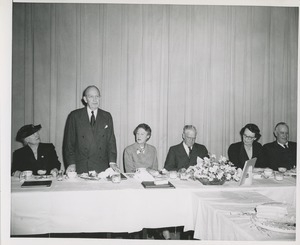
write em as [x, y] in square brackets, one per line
[281, 152]
[185, 154]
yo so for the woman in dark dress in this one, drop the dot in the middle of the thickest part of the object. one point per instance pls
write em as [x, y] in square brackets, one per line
[248, 148]
[39, 157]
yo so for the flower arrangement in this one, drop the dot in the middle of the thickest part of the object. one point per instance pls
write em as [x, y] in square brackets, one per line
[214, 171]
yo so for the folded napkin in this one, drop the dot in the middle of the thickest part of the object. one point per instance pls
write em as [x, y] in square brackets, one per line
[107, 173]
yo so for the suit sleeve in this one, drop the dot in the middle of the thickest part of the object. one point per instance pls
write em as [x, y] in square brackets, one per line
[55, 163]
[69, 141]
[170, 162]
[128, 162]
[112, 147]
[265, 157]
[206, 152]
[233, 155]
[155, 162]
[15, 163]
[259, 155]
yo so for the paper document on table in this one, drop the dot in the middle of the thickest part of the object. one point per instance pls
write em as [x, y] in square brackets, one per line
[143, 176]
[246, 178]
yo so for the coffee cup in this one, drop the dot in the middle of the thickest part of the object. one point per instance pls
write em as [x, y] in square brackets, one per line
[268, 172]
[279, 176]
[116, 177]
[27, 174]
[282, 169]
[173, 174]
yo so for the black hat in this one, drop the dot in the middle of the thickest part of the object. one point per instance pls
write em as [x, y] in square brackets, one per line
[26, 131]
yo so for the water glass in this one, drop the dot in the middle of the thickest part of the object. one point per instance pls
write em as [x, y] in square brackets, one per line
[116, 177]
[60, 175]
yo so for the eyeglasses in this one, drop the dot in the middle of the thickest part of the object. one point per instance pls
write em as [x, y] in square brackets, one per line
[248, 137]
[190, 138]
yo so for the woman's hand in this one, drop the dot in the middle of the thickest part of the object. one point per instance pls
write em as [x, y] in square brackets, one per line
[41, 172]
[17, 173]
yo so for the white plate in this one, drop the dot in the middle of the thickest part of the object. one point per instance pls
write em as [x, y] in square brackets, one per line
[290, 173]
[267, 177]
[283, 227]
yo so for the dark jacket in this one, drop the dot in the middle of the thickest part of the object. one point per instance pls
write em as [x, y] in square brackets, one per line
[23, 159]
[275, 156]
[86, 147]
[177, 157]
[238, 155]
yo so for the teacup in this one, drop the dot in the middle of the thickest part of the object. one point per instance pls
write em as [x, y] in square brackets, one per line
[268, 172]
[72, 175]
[279, 176]
[116, 178]
[173, 174]
[141, 170]
[27, 174]
[282, 169]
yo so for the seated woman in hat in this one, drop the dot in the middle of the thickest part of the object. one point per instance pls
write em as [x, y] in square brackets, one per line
[39, 157]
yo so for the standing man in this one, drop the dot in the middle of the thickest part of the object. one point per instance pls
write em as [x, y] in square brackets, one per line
[185, 154]
[281, 152]
[89, 139]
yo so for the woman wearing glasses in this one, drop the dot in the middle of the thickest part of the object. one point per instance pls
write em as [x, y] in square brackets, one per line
[248, 148]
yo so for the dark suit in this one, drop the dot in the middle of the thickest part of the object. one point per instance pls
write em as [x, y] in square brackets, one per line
[86, 147]
[275, 156]
[23, 159]
[177, 157]
[238, 155]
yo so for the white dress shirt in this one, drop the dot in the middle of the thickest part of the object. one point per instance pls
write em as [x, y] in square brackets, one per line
[90, 113]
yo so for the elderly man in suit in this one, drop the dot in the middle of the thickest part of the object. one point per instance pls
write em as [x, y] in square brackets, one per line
[281, 152]
[185, 154]
[89, 139]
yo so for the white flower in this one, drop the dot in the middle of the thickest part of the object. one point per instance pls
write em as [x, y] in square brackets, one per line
[222, 159]
[199, 161]
[239, 172]
[228, 176]
[213, 168]
[206, 160]
[220, 175]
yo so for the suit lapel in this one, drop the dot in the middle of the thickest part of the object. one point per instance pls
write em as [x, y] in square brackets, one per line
[182, 150]
[30, 153]
[99, 125]
[85, 124]
[243, 153]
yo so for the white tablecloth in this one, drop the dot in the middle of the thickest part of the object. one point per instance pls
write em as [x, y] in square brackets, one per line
[103, 206]
[227, 216]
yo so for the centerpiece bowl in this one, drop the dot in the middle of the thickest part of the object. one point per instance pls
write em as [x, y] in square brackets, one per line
[213, 171]
[215, 181]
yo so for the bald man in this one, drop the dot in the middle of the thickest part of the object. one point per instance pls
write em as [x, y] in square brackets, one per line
[281, 152]
[89, 139]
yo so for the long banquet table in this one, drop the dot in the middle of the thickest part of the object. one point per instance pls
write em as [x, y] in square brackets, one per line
[80, 205]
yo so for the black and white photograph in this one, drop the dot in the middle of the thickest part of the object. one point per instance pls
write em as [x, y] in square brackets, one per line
[133, 122]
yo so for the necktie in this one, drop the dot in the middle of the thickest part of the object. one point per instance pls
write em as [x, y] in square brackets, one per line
[286, 147]
[190, 150]
[93, 119]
